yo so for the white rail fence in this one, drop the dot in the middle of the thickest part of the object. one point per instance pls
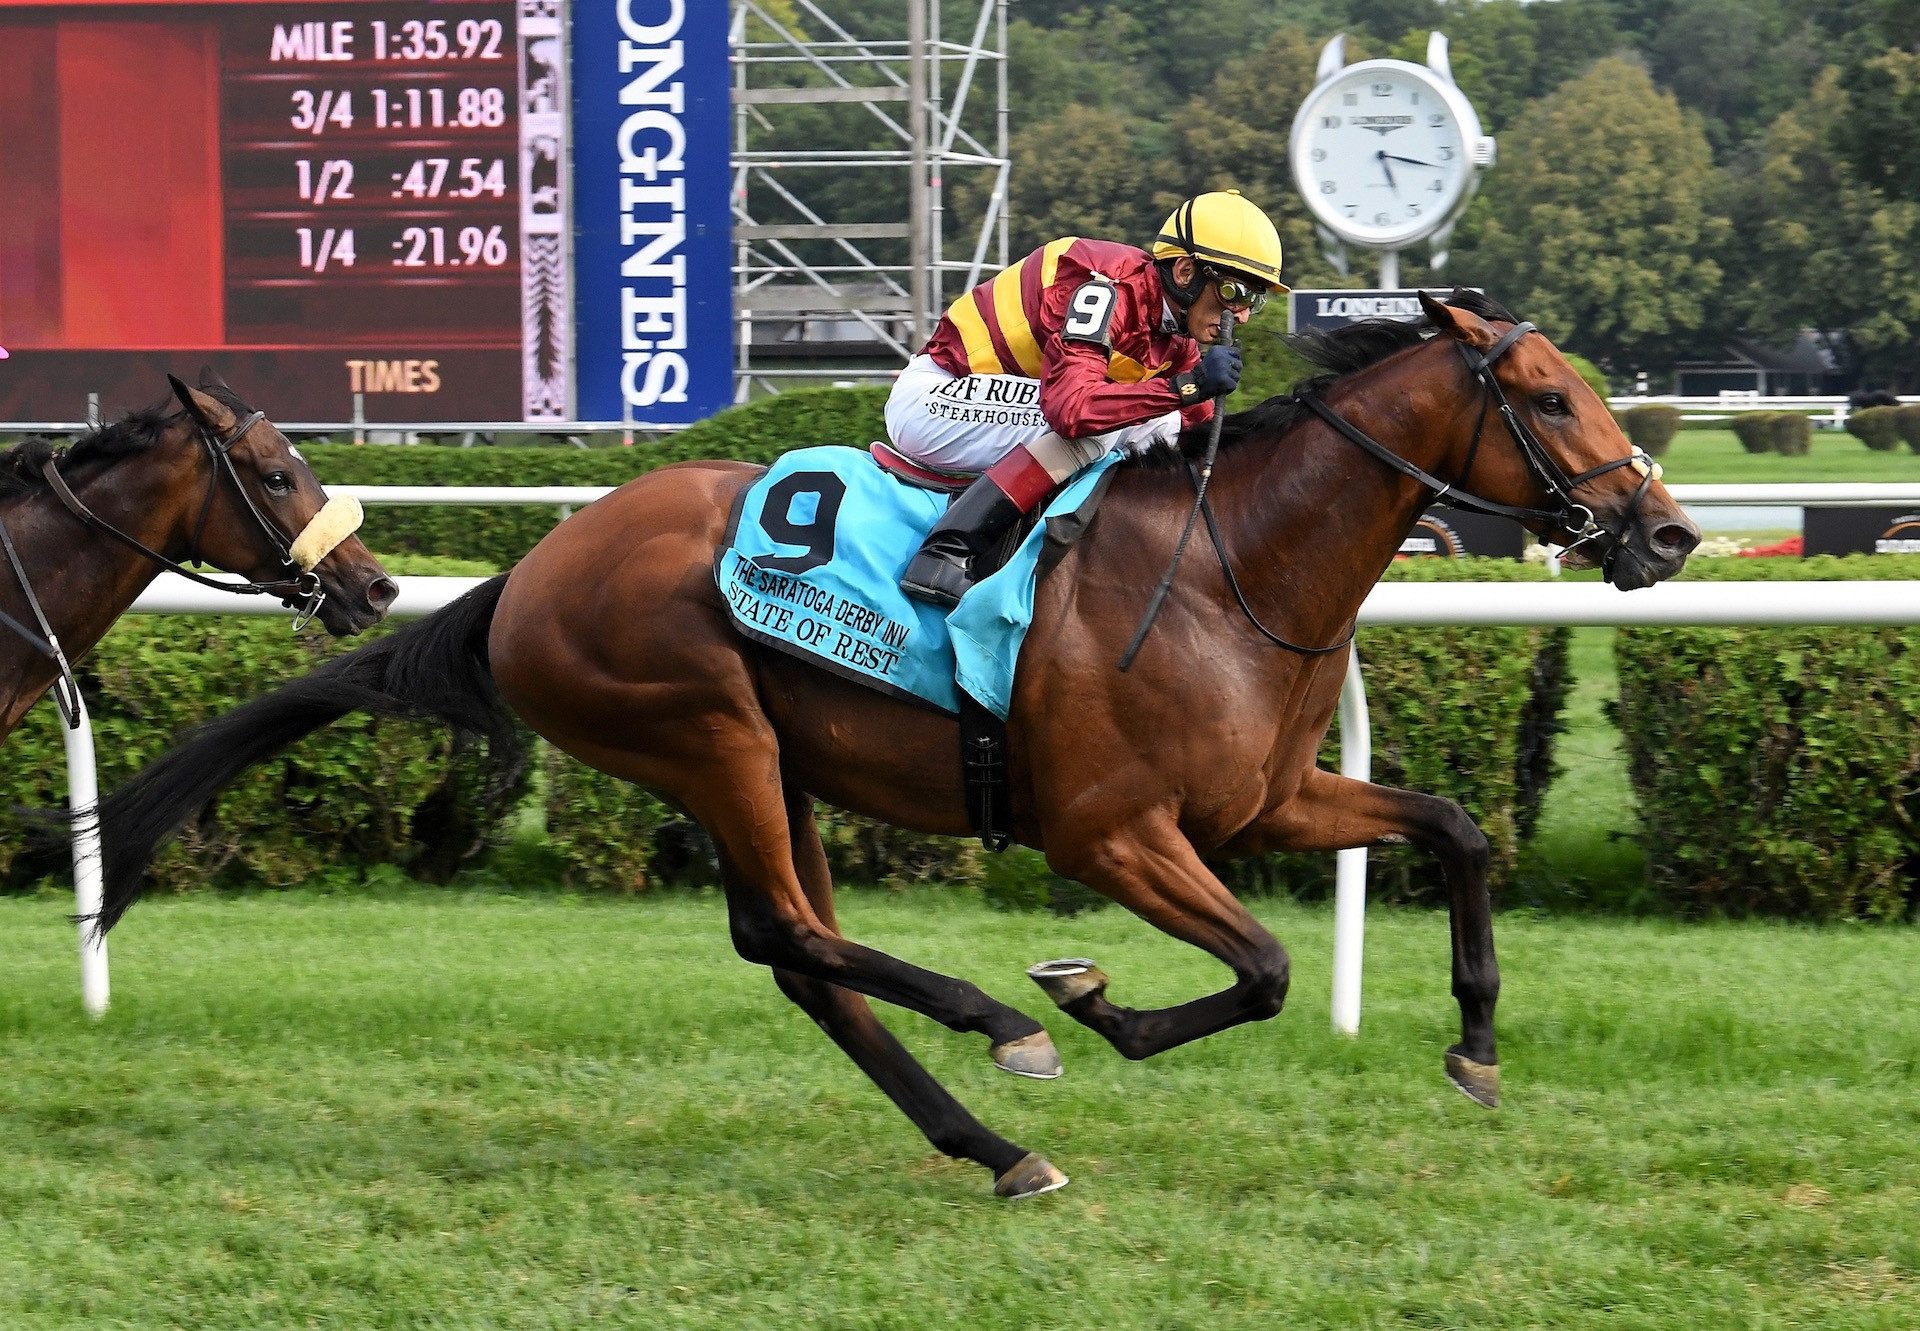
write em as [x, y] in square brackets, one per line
[1402, 604]
[1424, 604]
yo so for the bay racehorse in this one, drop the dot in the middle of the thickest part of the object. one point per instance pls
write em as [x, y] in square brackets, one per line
[611, 640]
[85, 529]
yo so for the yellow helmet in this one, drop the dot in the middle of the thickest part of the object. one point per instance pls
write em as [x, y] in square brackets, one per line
[1225, 229]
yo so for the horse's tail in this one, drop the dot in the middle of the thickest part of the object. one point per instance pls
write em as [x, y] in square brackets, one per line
[433, 669]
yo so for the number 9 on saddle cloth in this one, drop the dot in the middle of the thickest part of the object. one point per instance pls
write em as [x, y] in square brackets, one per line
[812, 562]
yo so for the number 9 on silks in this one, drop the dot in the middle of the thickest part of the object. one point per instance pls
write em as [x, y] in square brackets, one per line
[1082, 349]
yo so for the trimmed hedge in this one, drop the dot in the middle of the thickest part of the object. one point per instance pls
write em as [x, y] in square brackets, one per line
[1907, 420]
[1789, 433]
[500, 535]
[1876, 427]
[361, 792]
[1777, 770]
[1652, 427]
[1752, 429]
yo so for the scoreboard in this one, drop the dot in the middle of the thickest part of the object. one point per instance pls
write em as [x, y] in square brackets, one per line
[322, 200]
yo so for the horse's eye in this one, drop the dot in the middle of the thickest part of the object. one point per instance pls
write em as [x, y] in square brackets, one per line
[279, 483]
[1552, 404]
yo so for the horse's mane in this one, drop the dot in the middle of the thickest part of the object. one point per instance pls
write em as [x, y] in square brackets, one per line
[1337, 353]
[22, 467]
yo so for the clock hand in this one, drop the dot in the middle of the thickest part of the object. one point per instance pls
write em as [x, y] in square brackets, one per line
[1382, 158]
[1410, 161]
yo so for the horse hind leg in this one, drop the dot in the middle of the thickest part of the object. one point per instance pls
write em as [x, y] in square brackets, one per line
[745, 807]
[850, 1023]
[1152, 870]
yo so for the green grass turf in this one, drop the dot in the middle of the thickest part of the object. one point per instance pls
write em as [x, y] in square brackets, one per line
[1714, 457]
[1583, 853]
[478, 1110]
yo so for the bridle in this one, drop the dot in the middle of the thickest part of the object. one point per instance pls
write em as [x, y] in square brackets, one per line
[1570, 516]
[304, 587]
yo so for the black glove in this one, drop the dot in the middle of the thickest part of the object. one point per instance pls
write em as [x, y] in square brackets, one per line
[1217, 374]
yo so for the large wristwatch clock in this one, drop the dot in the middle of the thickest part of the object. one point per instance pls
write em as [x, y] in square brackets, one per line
[1385, 152]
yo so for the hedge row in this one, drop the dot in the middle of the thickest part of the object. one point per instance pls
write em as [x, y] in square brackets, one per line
[1883, 429]
[1777, 770]
[364, 791]
[1652, 427]
[756, 432]
[1789, 433]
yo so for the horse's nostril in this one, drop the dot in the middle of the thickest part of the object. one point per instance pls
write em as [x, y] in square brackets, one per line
[1673, 540]
[380, 593]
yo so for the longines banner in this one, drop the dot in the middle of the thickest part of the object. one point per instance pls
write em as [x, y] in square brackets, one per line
[1862, 531]
[653, 236]
[1448, 533]
[1328, 310]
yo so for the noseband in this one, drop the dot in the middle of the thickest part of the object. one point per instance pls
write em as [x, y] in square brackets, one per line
[304, 587]
[1570, 516]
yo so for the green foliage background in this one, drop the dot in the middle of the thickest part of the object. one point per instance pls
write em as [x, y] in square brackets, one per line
[1673, 174]
[1778, 770]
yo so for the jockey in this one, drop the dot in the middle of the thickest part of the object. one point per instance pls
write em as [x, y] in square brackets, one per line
[1083, 348]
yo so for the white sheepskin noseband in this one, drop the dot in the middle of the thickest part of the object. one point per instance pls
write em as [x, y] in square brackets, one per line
[337, 520]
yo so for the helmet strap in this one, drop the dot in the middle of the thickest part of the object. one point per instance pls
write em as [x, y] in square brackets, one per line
[1181, 297]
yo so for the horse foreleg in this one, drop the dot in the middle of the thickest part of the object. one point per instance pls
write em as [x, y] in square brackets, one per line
[850, 1023]
[1338, 813]
[1152, 870]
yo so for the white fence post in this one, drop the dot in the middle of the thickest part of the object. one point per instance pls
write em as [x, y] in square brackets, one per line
[1350, 873]
[83, 797]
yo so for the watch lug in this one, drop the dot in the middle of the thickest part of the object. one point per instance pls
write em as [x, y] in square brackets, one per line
[1333, 58]
[1437, 60]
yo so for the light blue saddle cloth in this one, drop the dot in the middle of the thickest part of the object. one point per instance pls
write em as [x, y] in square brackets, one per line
[812, 565]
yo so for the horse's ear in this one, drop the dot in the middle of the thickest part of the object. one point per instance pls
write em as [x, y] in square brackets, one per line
[210, 378]
[1458, 324]
[198, 405]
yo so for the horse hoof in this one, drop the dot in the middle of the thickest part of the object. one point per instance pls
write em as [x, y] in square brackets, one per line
[1069, 979]
[1479, 1082]
[1030, 1176]
[1029, 1056]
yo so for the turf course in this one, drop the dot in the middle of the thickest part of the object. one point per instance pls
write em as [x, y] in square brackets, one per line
[476, 1110]
[1715, 457]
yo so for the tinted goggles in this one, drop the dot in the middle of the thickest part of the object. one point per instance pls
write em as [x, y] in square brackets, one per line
[1237, 293]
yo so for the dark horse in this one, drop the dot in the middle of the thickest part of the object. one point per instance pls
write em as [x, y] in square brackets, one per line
[611, 640]
[214, 482]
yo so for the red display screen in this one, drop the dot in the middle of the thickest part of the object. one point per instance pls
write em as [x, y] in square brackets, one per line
[318, 199]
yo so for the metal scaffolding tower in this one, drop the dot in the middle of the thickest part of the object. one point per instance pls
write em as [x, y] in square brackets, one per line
[855, 176]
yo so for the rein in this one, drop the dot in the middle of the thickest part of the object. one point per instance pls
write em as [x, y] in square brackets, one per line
[66, 692]
[1571, 516]
[1539, 462]
[305, 587]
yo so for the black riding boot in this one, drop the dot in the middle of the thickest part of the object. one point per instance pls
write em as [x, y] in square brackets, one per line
[945, 566]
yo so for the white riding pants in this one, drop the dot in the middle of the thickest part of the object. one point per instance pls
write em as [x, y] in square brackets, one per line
[969, 423]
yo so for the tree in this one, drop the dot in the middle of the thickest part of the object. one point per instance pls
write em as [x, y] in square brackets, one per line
[1816, 247]
[1078, 175]
[1729, 61]
[1493, 51]
[1879, 138]
[1234, 136]
[1595, 223]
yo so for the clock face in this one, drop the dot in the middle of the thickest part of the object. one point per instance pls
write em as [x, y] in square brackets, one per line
[1380, 154]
